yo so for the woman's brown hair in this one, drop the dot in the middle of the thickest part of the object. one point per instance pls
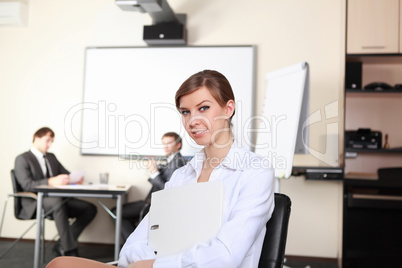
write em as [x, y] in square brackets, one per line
[214, 81]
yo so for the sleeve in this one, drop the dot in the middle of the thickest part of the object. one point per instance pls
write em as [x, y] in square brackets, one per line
[24, 175]
[158, 182]
[136, 247]
[166, 173]
[251, 211]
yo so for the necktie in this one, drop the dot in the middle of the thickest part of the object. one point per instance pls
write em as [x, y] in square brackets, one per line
[47, 168]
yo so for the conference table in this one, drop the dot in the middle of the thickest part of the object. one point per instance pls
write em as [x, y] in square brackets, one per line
[81, 191]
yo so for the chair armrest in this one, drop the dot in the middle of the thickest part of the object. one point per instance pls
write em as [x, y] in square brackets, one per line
[25, 194]
[144, 211]
[114, 263]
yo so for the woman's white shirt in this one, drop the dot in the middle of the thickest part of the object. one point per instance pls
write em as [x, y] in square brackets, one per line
[248, 205]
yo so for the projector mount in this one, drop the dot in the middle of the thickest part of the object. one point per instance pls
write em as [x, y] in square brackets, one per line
[167, 27]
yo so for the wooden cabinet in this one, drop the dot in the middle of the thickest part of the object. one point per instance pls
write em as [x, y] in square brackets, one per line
[400, 26]
[372, 207]
[373, 26]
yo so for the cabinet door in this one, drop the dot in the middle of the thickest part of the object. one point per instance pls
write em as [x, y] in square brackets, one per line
[400, 26]
[373, 26]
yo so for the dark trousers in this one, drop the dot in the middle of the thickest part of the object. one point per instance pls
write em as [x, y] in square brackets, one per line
[82, 211]
[130, 217]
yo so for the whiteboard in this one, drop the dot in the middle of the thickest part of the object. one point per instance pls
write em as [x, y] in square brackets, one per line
[129, 92]
[283, 124]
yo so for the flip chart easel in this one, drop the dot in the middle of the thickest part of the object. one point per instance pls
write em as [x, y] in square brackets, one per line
[283, 128]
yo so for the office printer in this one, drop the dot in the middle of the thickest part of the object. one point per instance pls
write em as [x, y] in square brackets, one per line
[363, 138]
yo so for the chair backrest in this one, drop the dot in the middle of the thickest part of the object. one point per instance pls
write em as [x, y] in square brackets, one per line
[17, 200]
[273, 249]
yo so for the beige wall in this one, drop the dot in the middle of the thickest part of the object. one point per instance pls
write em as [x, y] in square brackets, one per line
[41, 78]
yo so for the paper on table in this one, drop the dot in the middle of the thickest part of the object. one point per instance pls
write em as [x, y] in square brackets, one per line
[76, 175]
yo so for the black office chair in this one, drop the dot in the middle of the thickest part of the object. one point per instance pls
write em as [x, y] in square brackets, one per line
[273, 249]
[18, 195]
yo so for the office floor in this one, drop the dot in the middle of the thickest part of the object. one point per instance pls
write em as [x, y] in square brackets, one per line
[21, 256]
[309, 263]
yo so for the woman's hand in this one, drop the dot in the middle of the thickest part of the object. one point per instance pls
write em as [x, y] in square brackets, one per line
[142, 264]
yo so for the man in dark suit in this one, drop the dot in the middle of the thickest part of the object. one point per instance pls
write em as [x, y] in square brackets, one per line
[38, 167]
[132, 212]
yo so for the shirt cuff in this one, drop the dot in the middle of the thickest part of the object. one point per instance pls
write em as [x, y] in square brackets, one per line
[154, 175]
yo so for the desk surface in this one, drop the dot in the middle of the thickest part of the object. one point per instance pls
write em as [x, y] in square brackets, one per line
[85, 188]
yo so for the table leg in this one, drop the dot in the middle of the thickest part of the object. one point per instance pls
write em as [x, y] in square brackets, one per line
[38, 229]
[118, 227]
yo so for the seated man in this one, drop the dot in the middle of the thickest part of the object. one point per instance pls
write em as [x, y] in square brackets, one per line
[131, 212]
[38, 167]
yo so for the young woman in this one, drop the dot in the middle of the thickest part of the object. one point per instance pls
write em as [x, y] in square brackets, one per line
[207, 104]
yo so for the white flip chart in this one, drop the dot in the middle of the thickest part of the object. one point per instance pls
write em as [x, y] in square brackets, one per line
[283, 127]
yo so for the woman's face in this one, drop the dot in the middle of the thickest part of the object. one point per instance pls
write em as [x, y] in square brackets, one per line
[204, 119]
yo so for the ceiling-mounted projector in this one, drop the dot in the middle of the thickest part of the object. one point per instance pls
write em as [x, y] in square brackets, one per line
[167, 28]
